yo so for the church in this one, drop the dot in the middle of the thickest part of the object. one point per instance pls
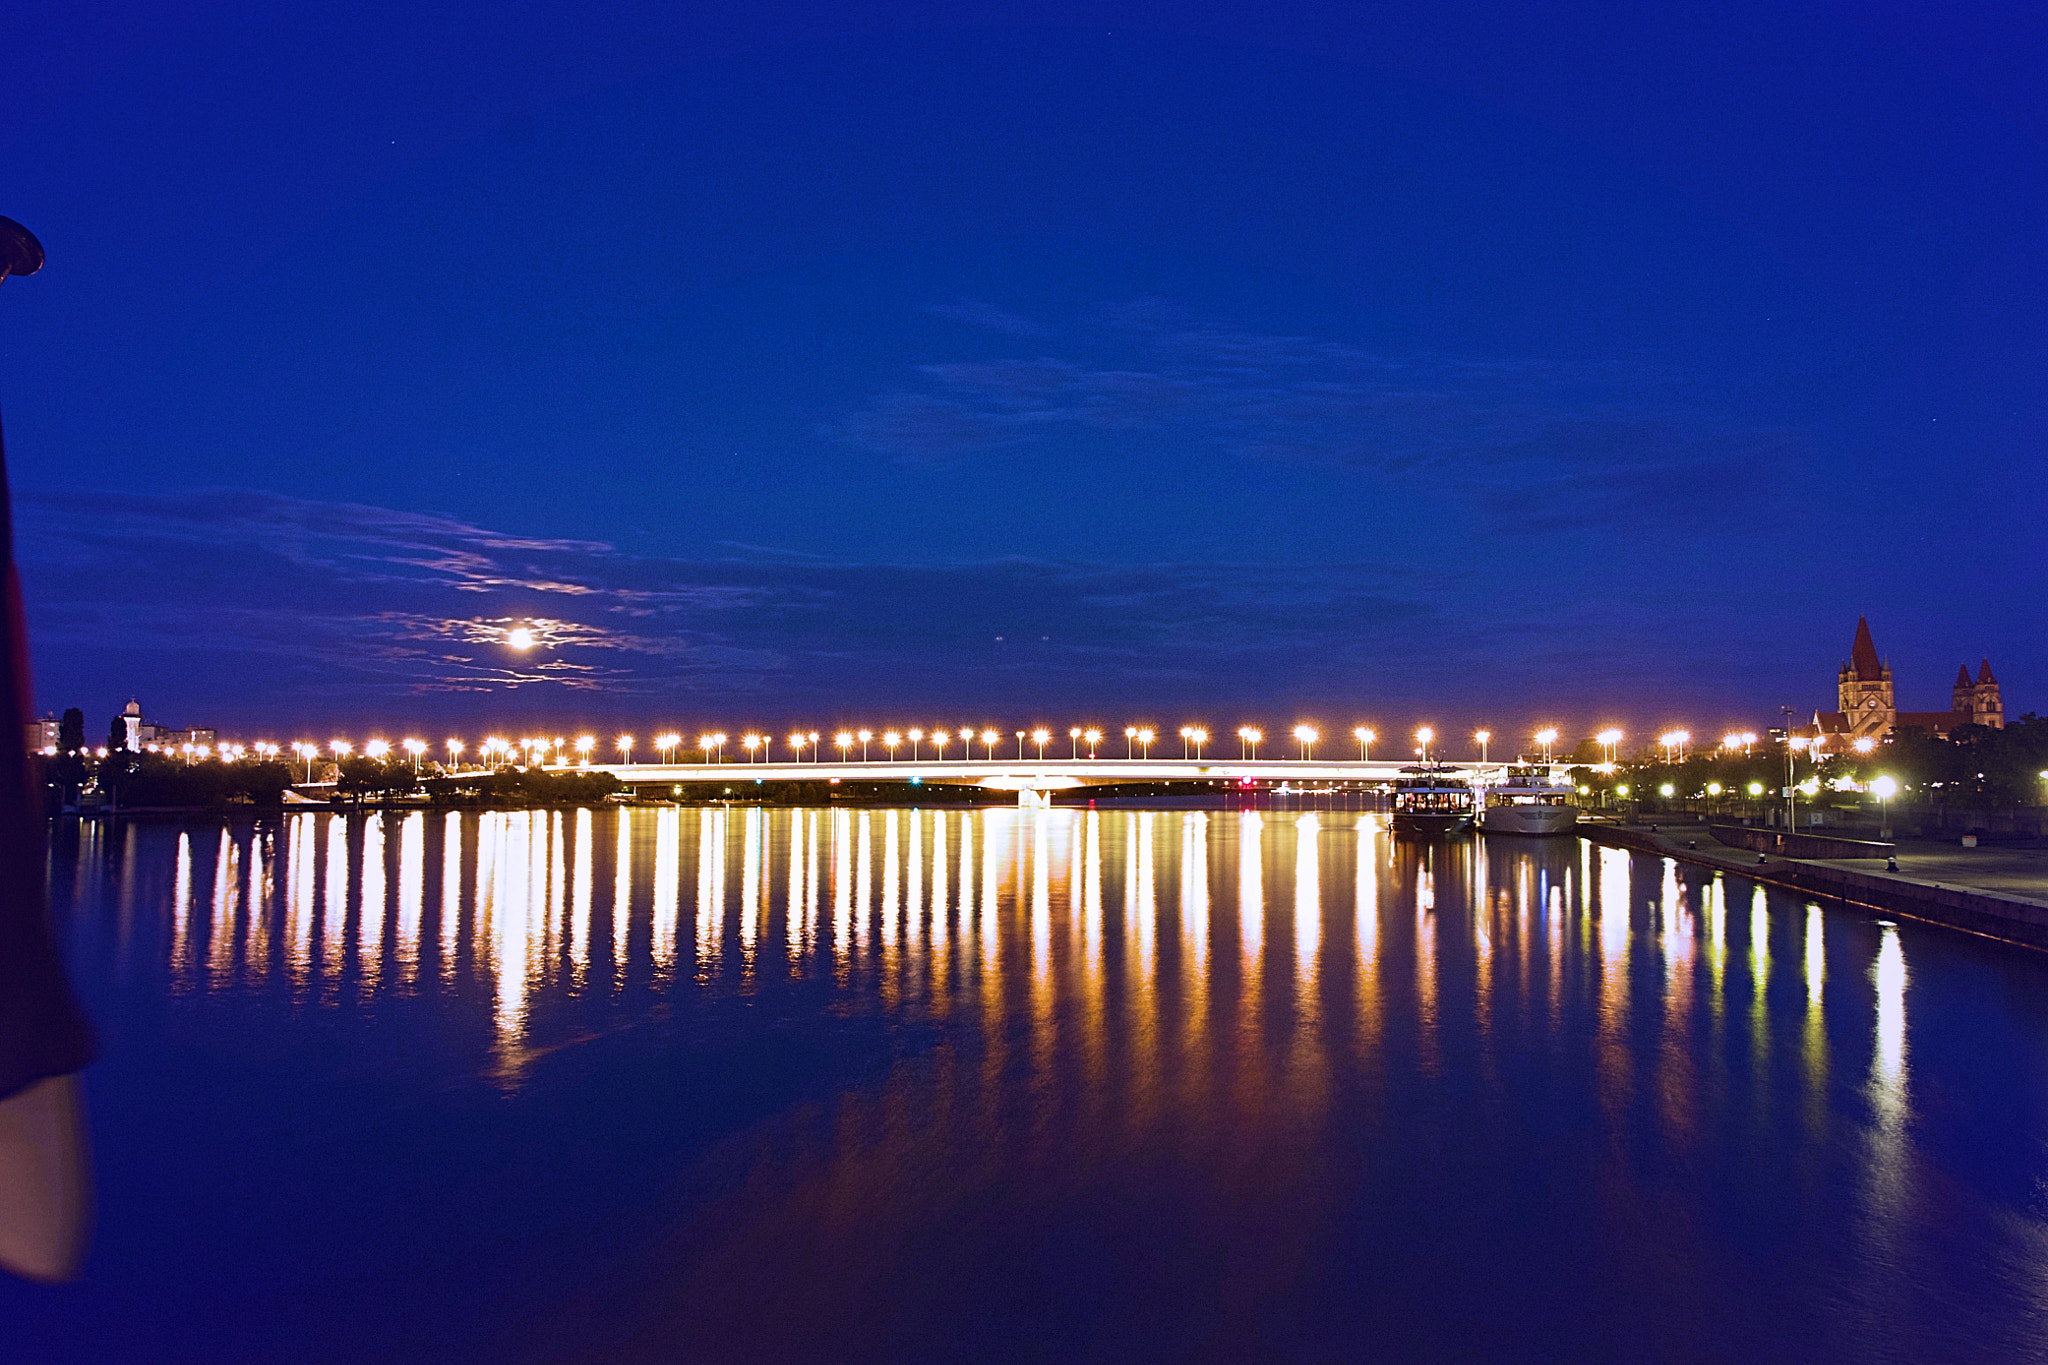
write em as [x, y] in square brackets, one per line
[1869, 708]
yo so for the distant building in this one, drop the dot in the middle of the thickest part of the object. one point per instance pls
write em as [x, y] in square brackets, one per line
[1868, 706]
[42, 735]
[145, 735]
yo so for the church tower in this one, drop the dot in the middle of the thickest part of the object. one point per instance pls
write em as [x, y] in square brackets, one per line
[1986, 707]
[1864, 687]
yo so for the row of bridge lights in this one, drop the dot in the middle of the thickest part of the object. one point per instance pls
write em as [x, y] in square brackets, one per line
[1138, 742]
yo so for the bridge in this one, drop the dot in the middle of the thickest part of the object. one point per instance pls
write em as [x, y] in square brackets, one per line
[1032, 779]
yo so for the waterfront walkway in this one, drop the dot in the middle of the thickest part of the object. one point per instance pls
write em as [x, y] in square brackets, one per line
[2000, 891]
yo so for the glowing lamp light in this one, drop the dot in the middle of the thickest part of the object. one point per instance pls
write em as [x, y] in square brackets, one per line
[1756, 789]
[1665, 790]
[1865, 745]
[1886, 788]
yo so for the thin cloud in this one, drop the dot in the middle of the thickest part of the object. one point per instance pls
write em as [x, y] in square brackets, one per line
[1524, 439]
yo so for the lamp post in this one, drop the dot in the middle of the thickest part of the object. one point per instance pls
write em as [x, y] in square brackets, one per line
[1365, 737]
[915, 737]
[1546, 737]
[1248, 738]
[625, 747]
[1608, 740]
[864, 736]
[988, 742]
[1482, 736]
[1130, 740]
[1185, 733]
[890, 739]
[1200, 737]
[1074, 743]
[1886, 789]
[845, 742]
[940, 739]
[1020, 746]
[1091, 738]
[1422, 739]
[1305, 736]
[1039, 737]
[415, 747]
[585, 744]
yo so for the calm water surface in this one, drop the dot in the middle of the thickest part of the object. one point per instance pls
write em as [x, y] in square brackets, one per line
[745, 1084]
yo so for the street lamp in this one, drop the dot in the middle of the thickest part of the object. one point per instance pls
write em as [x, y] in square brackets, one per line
[1091, 738]
[1608, 739]
[813, 738]
[1039, 737]
[1074, 742]
[940, 739]
[1886, 789]
[1200, 737]
[1248, 738]
[378, 749]
[864, 736]
[704, 743]
[845, 742]
[584, 745]
[797, 742]
[1482, 736]
[455, 748]
[624, 744]
[914, 736]
[1130, 739]
[1185, 733]
[890, 739]
[967, 744]
[1365, 737]
[1422, 739]
[415, 747]
[1020, 746]
[752, 742]
[988, 741]
[1546, 737]
[1145, 738]
[1305, 736]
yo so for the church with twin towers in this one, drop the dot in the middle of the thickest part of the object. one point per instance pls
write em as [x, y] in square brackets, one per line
[1868, 706]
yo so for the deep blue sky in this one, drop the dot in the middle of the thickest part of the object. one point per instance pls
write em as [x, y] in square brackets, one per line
[1024, 362]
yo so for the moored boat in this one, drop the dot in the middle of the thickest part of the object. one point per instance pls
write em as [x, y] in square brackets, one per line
[1531, 800]
[1432, 800]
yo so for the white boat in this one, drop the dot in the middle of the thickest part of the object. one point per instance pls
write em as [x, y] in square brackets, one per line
[1530, 801]
[1433, 799]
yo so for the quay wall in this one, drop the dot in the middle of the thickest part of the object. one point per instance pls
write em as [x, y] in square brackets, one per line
[2011, 921]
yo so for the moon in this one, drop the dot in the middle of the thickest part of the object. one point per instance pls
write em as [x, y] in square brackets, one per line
[520, 638]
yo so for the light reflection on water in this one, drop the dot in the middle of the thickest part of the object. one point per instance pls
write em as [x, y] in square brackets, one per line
[1239, 979]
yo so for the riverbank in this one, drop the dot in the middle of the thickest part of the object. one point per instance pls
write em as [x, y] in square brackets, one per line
[1995, 892]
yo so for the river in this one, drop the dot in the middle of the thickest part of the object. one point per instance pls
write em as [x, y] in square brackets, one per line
[903, 1085]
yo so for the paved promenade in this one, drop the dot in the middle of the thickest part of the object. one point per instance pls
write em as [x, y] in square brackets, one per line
[2019, 874]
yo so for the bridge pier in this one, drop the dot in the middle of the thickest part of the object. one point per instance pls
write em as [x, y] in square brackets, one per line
[1029, 798]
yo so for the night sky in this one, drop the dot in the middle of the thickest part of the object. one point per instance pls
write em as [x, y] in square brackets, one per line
[1019, 363]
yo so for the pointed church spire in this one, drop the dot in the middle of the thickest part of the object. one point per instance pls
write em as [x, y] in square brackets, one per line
[1962, 675]
[1984, 673]
[1863, 655]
